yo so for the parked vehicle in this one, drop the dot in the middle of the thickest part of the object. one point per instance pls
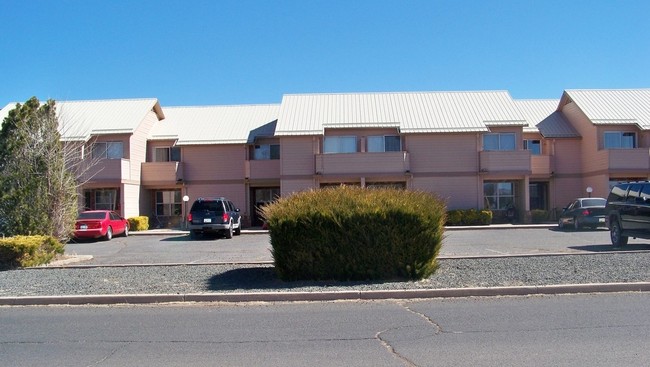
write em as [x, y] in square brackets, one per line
[100, 224]
[214, 215]
[628, 212]
[583, 212]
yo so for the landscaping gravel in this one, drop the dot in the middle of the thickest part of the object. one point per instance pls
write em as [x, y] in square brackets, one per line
[453, 273]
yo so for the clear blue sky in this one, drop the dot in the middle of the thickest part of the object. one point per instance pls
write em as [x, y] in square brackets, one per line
[243, 51]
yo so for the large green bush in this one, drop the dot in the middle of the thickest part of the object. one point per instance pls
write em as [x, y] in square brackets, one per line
[23, 251]
[352, 233]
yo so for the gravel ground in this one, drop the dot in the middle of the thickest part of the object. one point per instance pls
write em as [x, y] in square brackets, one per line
[453, 273]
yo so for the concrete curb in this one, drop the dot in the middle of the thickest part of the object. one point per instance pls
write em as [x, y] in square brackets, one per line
[112, 299]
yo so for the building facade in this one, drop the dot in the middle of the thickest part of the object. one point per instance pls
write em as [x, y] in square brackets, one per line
[474, 149]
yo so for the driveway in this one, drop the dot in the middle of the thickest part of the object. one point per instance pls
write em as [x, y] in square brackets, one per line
[249, 248]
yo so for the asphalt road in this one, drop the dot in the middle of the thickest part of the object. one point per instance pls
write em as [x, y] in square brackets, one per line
[575, 330]
[169, 249]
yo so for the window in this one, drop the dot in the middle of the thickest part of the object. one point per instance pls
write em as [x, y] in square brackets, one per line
[266, 151]
[499, 141]
[619, 140]
[534, 145]
[172, 154]
[109, 150]
[340, 144]
[499, 195]
[169, 203]
[105, 199]
[390, 143]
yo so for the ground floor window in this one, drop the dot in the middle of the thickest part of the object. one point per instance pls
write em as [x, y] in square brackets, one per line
[386, 185]
[261, 196]
[499, 195]
[169, 203]
[102, 199]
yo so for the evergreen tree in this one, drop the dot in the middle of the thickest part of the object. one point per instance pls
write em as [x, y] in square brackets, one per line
[37, 192]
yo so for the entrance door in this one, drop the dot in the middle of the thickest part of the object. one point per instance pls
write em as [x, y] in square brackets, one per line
[261, 196]
[538, 195]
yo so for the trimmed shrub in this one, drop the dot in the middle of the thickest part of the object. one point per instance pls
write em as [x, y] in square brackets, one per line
[469, 217]
[352, 233]
[538, 216]
[140, 223]
[24, 251]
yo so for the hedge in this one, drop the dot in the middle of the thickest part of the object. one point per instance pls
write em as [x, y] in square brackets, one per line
[140, 223]
[24, 251]
[353, 233]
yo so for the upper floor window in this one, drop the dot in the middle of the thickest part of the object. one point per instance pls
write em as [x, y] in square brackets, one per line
[108, 149]
[499, 141]
[340, 144]
[388, 143]
[266, 151]
[172, 154]
[534, 145]
[619, 140]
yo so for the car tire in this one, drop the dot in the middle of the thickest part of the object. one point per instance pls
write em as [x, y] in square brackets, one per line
[229, 231]
[109, 234]
[238, 229]
[576, 224]
[560, 224]
[126, 231]
[192, 234]
[616, 235]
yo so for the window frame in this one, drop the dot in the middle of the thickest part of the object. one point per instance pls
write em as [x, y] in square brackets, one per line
[620, 139]
[267, 152]
[172, 151]
[109, 146]
[500, 142]
[503, 201]
[385, 144]
[337, 140]
[527, 145]
[172, 200]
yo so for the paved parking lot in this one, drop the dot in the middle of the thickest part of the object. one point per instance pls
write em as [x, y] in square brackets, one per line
[179, 248]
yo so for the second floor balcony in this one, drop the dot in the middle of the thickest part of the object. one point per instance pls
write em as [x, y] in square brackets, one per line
[105, 170]
[541, 165]
[362, 163]
[161, 173]
[262, 169]
[505, 161]
[637, 159]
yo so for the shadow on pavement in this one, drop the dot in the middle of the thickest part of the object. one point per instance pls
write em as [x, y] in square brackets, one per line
[608, 247]
[266, 278]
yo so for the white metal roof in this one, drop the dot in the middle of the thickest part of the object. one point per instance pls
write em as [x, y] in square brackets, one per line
[614, 106]
[542, 116]
[412, 112]
[213, 124]
[79, 120]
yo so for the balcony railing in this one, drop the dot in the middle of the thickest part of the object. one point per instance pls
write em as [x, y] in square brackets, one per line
[623, 159]
[511, 161]
[541, 164]
[105, 170]
[262, 169]
[161, 173]
[362, 163]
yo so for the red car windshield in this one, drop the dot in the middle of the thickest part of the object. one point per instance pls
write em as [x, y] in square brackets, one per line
[92, 215]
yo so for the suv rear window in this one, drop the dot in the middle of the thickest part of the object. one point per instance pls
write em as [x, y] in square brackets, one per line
[205, 206]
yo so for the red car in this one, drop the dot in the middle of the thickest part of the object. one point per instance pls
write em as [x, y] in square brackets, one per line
[100, 223]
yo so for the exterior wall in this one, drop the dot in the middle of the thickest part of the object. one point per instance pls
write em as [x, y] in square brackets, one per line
[213, 164]
[458, 192]
[443, 154]
[138, 145]
[130, 200]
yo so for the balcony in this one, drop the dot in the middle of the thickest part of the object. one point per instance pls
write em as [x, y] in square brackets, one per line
[505, 161]
[105, 170]
[541, 165]
[622, 159]
[262, 169]
[161, 173]
[362, 163]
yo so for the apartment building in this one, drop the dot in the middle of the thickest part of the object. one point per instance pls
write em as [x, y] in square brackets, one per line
[475, 149]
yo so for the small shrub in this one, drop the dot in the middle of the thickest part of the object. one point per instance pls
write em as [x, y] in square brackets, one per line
[140, 223]
[538, 216]
[352, 233]
[24, 251]
[469, 217]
